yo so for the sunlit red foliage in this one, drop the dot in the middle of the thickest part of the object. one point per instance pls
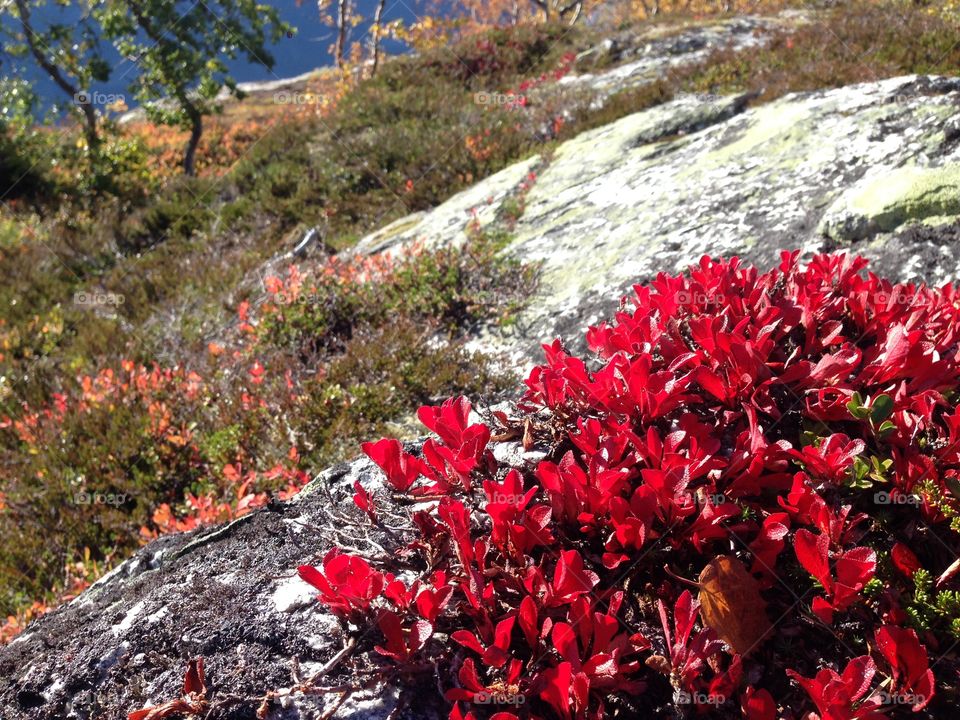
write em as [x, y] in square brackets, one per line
[726, 414]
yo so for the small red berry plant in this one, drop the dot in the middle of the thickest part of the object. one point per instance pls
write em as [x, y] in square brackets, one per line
[744, 504]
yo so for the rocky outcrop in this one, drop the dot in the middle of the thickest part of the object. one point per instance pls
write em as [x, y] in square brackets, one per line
[874, 167]
[641, 59]
[230, 595]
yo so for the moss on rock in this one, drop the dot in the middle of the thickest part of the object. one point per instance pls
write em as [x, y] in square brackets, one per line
[884, 201]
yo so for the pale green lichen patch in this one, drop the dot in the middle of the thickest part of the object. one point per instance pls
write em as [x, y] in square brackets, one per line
[397, 230]
[938, 220]
[772, 124]
[886, 200]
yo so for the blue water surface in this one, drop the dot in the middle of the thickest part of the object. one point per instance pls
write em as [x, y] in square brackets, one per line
[304, 50]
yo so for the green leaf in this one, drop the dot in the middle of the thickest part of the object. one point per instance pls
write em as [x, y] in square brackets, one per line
[881, 408]
[856, 408]
[860, 468]
[886, 427]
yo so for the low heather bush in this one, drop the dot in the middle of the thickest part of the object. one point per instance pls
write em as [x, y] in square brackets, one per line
[848, 43]
[746, 506]
[324, 357]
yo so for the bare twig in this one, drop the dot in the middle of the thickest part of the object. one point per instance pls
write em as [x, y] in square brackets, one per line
[332, 663]
[336, 706]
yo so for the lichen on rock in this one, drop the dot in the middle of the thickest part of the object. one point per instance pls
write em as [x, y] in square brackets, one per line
[888, 199]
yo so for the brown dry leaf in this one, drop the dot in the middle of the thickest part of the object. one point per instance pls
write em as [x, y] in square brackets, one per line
[528, 434]
[659, 663]
[731, 604]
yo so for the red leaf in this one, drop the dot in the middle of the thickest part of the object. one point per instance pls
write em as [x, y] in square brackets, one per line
[557, 693]
[570, 579]
[813, 553]
[908, 659]
[194, 682]
[363, 500]
[836, 695]
[193, 702]
[758, 705]
[904, 559]
[347, 583]
[401, 468]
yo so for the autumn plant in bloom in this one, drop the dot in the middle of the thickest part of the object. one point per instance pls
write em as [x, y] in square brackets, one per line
[744, 504]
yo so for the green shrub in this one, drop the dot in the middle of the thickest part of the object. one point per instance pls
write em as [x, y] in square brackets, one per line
[499, 57]
[180, 212]
[448, 290]
[851, 43]
[382, 375]
[371, 341]
[23, 178]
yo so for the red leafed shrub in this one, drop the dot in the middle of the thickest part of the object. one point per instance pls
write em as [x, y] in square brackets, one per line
[800, 423]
